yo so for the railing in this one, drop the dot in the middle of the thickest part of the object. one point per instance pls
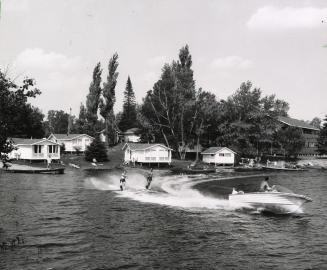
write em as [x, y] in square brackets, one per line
[38, 155]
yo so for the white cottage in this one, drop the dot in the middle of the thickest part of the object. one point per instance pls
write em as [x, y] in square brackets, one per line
[219, 156]
[131, 135]
[147, 153]
[35, 149]
[72, 142]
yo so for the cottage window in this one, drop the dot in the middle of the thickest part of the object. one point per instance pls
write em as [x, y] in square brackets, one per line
[50, 149]
[221, 154]
[37, 149]
[228, 154]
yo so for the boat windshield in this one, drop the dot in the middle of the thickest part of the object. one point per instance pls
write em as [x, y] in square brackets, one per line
[280, 188]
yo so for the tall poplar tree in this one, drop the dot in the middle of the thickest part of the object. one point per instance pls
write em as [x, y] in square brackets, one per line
[93, 98]
[128, 118]
[109, 99]
[322, 139]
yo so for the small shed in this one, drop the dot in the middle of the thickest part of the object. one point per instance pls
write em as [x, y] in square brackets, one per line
[34, 149]
[72, 142]
[147, 153]
[219, 156]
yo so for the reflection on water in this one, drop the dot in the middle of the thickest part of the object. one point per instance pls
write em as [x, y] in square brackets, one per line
[82, 221]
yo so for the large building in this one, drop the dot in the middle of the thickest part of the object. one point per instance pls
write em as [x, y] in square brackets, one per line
[309, 132]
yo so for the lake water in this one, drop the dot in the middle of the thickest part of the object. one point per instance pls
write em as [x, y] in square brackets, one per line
[81, 221]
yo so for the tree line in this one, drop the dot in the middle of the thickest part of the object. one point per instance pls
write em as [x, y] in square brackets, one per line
[175, 112]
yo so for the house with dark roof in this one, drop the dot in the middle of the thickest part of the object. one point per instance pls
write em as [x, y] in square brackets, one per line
[34, 149]
[310, 133]
[219, 156]
[147, 153]
[72, 142]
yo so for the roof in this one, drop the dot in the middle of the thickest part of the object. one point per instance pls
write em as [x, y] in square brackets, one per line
[295, 123]
[214, 150]
[22, 141]
[68, 136]
[143, 146]
[131, 131]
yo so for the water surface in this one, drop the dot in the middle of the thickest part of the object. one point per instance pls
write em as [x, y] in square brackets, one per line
[81, 221]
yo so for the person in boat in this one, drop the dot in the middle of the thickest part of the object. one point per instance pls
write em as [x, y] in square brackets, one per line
[123, 181]
[264, 186]
[149, 179]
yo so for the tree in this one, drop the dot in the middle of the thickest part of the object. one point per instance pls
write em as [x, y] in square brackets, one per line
[248, 120]
[58, 121]
[291, 140]
[81, 123]
[17, 116]
[170, 100]
[93, 99]
[322, 139]
[128, 118]
[109, 99]
[96, 150]
[316, 122]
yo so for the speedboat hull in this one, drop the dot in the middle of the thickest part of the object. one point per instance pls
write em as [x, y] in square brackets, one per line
[275, 202]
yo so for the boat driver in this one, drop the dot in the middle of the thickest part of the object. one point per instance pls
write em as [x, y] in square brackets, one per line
[264, 186]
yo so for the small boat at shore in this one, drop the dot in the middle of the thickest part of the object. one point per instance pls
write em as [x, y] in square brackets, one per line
[273, 202]
[36, 170]
[276, 168]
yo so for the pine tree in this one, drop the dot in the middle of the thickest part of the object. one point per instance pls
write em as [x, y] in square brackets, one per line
[128, 119]
[322, 139]
[96, 150]
[109, 99]
[93, 98]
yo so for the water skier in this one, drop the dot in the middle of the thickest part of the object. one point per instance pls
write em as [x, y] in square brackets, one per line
[123, 181]
[149, 179]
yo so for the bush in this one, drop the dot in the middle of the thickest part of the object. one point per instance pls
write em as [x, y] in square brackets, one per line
[96, 150]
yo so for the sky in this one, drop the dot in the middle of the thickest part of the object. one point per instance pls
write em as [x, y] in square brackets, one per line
[281, 46]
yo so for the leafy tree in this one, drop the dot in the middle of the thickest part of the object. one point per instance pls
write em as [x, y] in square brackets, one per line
[322, 139]
[93, 99]
[57, 121]
[96, 150]
[171, 100]
[247, 120]
[316, 122]
[109, 99]
[206, 113]
[291, 140]
[128, 117]
[17, 116]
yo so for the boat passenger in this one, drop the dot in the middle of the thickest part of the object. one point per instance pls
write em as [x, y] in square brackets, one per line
[149, 179]
[123, 181]
[234, 191]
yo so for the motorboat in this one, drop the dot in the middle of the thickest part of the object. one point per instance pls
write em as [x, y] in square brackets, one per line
[270, 201]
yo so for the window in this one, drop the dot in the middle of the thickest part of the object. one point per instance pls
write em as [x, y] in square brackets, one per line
[228, 154]
[221, 154]
[50, 149]
[37, 149]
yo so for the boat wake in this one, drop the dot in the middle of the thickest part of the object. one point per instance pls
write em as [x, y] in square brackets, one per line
[172, 191]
